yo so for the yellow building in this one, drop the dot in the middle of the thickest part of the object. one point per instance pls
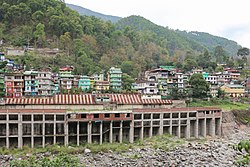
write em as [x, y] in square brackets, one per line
[232, 90]
[101, 85]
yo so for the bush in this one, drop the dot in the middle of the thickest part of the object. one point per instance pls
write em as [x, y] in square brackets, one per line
[61, 159]
[244, 145]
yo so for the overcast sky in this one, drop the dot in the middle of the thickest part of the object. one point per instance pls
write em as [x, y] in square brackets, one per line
[225, 18]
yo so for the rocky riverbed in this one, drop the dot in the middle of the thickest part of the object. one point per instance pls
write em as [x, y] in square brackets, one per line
[209, 152]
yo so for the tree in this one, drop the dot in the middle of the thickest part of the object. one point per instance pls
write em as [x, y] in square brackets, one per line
[127, 81]
[243, 52]
[40, 34]
[189, 64]
[220, 54]
[199, 86]
[204, 60]
[66, 42]
[127, 67]
[3, 64]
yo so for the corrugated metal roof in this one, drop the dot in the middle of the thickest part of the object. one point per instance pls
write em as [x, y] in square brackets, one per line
[86, 99]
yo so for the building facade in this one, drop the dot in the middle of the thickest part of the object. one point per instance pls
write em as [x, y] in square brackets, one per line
[84, 83]
[37, 122]
[14, 85]
[115, 78]
[31, 83]
[45, 83]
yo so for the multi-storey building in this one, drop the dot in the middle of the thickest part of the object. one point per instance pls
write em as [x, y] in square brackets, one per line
[56, 83]
[76, 81]
[212, 79]
[66, 78]
[146, 87]
[223, 78]
[115, 78]
[45, 84]
[101, 86]
[2, 86]
[166, 79]
[31, 83]
[14, 85]
[233, 90]
[84, 83]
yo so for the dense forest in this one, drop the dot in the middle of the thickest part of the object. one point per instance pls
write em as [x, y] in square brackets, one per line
[91, 44]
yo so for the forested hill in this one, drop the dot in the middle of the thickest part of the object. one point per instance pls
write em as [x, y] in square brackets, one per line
[84, 11]
[92, 45]
[179, 40]
[211, 41]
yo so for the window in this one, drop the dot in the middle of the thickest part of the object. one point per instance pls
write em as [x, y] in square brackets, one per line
[117, 115]
[106, 115]
[127, 115]
[83, 116]
[96, 115]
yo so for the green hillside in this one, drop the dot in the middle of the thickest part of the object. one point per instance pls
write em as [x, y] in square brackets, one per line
[84, 11]
[91, 44]
[211, 41]
[179, 40]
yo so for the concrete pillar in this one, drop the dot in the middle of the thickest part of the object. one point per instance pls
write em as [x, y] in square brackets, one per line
[196, 128]
[120, 132]
[220, 127]
[142, 131]
[7, 132]
[179, 129]
[43, 140]
[66, 130]
[101, 127]
[212, 127]
[54, 130]
[90, 132]
[20, 131]
[32, 130]
[170, 127]
[161, 124]
[151, 128]
[77, 134]
[204, 128]
[111, 132]
[188, 129]
[131, 132]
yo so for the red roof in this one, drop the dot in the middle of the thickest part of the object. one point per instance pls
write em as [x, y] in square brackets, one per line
[85, 99]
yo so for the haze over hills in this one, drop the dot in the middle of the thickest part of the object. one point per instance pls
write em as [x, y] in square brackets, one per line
[176, 39]
[84, 11]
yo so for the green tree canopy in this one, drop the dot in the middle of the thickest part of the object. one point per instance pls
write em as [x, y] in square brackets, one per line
[199, 86]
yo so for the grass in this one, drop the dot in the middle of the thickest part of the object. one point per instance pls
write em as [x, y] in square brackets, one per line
[105, 147]
[164, 142]
[223, 104]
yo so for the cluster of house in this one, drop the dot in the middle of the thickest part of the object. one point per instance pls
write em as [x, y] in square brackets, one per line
[166, 78]
[46, 83]
[11, 65]
[161, 81]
